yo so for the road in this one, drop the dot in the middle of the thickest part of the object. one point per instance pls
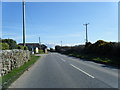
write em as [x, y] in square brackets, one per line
[60, 71]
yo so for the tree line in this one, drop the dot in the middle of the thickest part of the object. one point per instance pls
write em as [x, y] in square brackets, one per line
[8, 44]
[99, 48]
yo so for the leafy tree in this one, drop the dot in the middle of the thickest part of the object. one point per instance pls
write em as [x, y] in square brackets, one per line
[25, 48]
[57, 48]
[22, 47]
[4, 46]
[12, 44]
[88, 44]
[52, 50]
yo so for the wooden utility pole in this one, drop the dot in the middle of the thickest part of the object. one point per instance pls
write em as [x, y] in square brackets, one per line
[86, 32]
[39, 42]
[23, 12]
[61, 43]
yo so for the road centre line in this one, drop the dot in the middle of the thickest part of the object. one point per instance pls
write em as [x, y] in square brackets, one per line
[82, 71]
[62, 59]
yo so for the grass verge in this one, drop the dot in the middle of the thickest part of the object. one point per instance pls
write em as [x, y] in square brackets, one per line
[113, 61]
[15, 73]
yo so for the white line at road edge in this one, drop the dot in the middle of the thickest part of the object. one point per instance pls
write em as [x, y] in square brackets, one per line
[62, 59]
[82, 71]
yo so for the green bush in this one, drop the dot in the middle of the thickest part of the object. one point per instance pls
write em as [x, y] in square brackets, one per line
[22, 47]
[25, 48]
[0, 46]
[41, 51]
[4, 46]
[12, 43]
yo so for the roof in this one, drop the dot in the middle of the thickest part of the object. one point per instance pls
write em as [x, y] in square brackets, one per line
[31, 44]
[34, 45]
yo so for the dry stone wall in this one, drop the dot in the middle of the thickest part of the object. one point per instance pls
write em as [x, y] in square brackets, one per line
[10, 59]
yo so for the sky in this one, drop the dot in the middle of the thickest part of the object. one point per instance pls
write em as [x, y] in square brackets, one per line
[54, 22]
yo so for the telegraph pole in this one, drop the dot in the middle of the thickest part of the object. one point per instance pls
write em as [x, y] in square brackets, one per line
[61, 43]
[86, 32]
[23, 9]
[39, 42]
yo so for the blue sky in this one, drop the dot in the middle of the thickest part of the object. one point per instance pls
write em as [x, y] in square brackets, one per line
[61, 21]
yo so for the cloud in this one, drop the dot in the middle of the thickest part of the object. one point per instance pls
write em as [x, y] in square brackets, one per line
[8, 34]
[71, 44]
[52, 45]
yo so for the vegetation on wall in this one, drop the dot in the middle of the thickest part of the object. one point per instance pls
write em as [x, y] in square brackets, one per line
[12, 43]
[8, 44]
[4, 46]
[22, 47]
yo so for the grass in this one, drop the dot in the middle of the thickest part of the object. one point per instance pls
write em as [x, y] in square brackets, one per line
[99, 59]
[15, 73]
[42, 53]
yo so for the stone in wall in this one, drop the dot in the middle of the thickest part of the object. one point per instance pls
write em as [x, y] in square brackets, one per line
[0, 62]
[11, 59]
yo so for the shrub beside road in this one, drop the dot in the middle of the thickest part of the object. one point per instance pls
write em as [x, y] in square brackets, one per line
[100, 51]
[97, 59]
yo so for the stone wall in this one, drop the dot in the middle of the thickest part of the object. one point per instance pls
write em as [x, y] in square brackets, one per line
[10, 59]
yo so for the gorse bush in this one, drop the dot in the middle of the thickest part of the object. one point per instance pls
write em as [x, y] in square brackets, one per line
[22, 47]
[102, 48]
[25, 48]
[12, 44]
[4, 46]
[99, 48]
[40, 51]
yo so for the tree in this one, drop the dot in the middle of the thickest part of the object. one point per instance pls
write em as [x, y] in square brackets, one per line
[57, 48]
[51, 50]
[4, 46]
[22, 47]
[12, 44]
[88, 44]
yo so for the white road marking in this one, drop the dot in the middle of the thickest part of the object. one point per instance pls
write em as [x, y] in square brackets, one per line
[82, 71]
[63, 60]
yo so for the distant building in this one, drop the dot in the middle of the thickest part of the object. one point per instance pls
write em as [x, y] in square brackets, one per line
[35, 47]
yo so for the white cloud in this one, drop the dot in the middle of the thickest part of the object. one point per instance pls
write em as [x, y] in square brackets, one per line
[52, 45]
[71, 44]
[8, 34]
